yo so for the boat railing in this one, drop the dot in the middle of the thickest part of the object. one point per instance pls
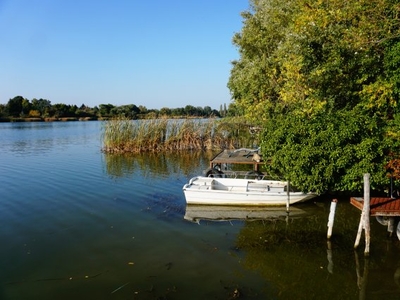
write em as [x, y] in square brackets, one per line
[248, 186]
[243, 174]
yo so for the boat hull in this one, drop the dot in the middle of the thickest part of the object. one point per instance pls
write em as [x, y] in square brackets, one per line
[241, 192]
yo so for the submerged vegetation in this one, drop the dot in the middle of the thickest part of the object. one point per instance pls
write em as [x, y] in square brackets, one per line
[121, 135]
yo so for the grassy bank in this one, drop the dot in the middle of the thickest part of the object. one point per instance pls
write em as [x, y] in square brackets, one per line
[122, 135]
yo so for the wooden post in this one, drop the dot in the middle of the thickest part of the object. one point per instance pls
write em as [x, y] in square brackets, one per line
[366, 208]
[331, 218]
[364, 220]
[359, 231]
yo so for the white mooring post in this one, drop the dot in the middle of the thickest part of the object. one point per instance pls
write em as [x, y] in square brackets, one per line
[331, 218]
[288, 196]
[367, 200]
[364, 220]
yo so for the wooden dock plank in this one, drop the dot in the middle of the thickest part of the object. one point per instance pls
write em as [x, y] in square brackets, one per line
[231, 157]
[379, 206]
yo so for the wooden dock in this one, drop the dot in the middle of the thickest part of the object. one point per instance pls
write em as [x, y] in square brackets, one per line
[379, 206]
[239, 156]
[385, 209]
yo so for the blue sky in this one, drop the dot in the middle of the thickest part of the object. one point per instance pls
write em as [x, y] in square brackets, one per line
[160, 53]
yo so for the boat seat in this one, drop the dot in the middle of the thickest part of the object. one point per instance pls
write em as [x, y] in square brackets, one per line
[258, 187]
[216, 186]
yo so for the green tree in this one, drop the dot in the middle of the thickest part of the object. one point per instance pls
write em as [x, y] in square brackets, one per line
[233, 111]
[3, 111]
[41, 105]
[105, 110]
[26, 107]
[254, 77]
[207, 111]
[142, 109]
[129, 111]
[322, 78]
[59, 110]
[14, 106]
[190, 110]
[165, 111]
[178, 111]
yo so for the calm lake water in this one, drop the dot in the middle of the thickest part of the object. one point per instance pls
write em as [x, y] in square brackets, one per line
[79, 224]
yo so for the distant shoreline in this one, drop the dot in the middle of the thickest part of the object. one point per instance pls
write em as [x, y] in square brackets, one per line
[67, 119]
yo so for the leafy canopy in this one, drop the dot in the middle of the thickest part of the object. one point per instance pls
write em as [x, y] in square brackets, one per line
[323, 79]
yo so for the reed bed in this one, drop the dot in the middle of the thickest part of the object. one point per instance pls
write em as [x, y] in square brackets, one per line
[121, 135]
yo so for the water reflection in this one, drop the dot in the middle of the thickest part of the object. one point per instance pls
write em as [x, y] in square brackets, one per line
[362, 277]
[38, 138]
[289, 251]
[65, 216]
[292, 257]
[32, 147]
[197, 213]
[378, 277]
[156, 164]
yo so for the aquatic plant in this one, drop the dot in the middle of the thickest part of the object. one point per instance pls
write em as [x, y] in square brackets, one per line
[124, 135]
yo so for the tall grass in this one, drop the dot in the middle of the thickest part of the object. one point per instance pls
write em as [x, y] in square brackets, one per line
[123, 135]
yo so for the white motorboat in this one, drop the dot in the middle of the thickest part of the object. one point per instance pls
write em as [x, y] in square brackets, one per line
[242, 192]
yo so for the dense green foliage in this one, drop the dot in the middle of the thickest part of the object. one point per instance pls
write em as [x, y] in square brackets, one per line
[323, 80]
[20, 107]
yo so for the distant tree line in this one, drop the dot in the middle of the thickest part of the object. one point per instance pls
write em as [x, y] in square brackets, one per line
[20, 107]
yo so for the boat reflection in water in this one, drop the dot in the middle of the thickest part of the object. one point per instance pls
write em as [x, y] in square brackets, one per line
[196, 213]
